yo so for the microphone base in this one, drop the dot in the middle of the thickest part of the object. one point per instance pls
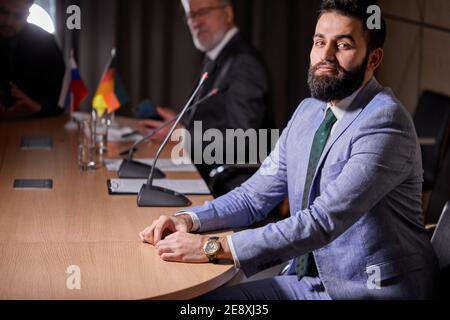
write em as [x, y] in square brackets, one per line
[137, 170]
[152, 196]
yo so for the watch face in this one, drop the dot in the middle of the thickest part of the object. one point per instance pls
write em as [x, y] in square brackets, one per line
[212, 247]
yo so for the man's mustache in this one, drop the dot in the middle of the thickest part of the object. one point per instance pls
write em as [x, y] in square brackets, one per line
[199, 31]
[328, 65]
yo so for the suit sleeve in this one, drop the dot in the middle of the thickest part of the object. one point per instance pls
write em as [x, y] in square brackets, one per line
[382, 154]
[255, 199]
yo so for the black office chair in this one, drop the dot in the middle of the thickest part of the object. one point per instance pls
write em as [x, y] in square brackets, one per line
[432, 121]
[441, 245]
[440, 194]
[225, 178]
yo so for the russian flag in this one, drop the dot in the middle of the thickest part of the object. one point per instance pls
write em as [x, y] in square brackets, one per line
[74, 90]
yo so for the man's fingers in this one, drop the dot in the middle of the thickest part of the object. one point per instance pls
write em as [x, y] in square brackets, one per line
[172, 236]
[158, 233]
[142, 235]
[151, 124]
[146, 236]
[17, 108]
[162, 225]
[166, 114]
[171, 257]
[159, 229]
[158, 138]
[148, 233]
[15, 92]
[162, 249]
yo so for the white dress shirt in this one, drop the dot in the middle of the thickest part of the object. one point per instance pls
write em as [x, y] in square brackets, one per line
[340, 108]
[214, 53]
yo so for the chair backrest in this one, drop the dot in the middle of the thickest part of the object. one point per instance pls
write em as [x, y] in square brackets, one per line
[440, 194]
[432, 121]
[441, 238]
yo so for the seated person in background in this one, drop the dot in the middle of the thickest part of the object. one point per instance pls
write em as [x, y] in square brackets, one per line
[245, 104]
[31, 65]
[350, 163]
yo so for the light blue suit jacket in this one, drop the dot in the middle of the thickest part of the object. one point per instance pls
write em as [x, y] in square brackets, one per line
[364, 220]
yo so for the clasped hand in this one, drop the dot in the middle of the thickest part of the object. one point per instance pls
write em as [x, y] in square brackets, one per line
[24, 106]
[172, 240]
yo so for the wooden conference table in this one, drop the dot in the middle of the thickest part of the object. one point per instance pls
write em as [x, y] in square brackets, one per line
[77, 223]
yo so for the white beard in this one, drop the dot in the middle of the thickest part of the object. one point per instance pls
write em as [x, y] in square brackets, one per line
[198, 45]
[217, 38]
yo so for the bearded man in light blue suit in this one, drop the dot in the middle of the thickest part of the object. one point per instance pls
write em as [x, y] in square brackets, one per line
[350, 163]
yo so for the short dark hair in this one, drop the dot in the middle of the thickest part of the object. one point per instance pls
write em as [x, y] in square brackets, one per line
[358, 9]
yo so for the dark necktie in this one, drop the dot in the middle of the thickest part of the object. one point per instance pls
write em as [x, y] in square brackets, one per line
[320, 140]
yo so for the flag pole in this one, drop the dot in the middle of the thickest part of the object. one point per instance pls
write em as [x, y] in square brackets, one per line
[113, 55]
[111, 117]
[72, 124]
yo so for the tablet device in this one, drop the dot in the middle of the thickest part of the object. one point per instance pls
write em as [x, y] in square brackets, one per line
[33, 184]
[36, 143]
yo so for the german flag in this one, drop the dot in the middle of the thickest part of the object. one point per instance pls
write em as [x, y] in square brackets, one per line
[111, 93]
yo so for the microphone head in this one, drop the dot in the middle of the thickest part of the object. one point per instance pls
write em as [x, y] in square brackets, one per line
[219, 89]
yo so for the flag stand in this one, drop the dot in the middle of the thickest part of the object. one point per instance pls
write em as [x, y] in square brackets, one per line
[71, 125]
[110, 94]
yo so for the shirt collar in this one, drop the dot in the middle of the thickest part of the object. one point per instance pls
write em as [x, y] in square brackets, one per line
[340, 109]
[214, 53]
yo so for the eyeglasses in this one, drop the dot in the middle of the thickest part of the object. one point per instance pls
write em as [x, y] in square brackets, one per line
[203, 12]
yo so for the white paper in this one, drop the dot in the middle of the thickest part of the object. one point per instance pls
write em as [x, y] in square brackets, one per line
[166, 165]
[116, 134]
[133, 186]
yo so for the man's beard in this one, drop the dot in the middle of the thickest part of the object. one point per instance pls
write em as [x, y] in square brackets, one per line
[211, 44]
[330, 87]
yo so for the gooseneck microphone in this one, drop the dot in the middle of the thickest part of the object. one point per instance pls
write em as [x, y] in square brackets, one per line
[153, 196]
[130, 169]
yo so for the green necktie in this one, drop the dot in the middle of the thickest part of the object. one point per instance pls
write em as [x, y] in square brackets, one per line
[320, 140]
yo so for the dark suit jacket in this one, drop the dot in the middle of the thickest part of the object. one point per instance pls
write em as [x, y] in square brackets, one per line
[246, 102]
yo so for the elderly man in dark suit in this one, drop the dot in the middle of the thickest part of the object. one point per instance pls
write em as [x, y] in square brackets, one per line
[239, 68]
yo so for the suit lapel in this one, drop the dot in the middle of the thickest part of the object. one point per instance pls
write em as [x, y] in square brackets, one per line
[357, 106]
[211, 82]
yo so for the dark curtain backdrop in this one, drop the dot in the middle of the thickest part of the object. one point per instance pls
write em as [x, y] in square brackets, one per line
[158, 61]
